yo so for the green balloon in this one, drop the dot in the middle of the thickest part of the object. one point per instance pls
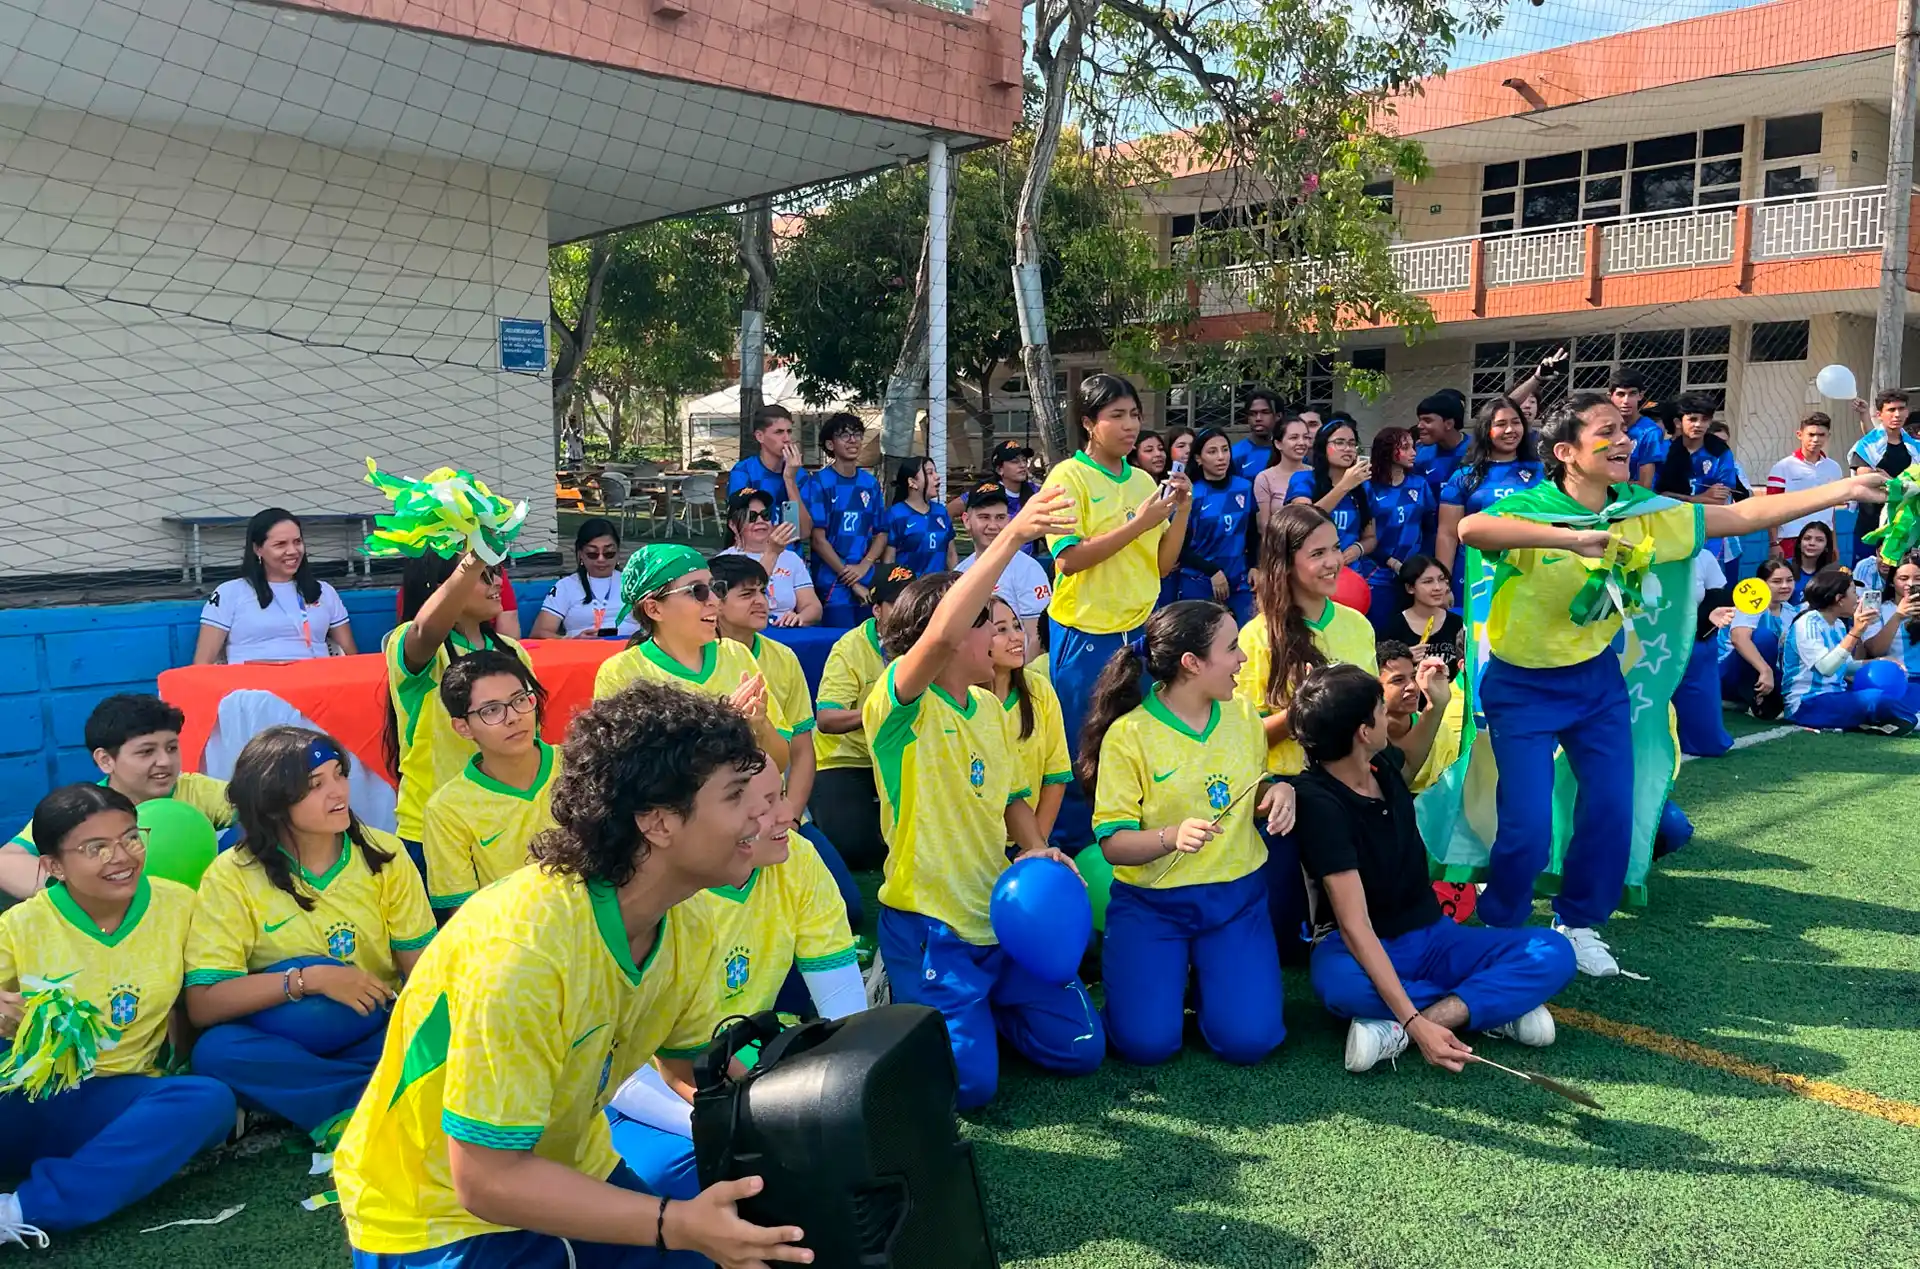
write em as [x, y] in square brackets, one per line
[180, 840]
[1098, 874]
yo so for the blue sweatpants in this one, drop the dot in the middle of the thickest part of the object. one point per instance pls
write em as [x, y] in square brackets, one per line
[984, 995]
[1222, 931]
[662, 1161]
[1696, 704]
[1192, 584]
[1582, 709]
[1500, 975]
[279, 1076]
[1844, 711]
[524, 1249]
[1076, 659]
[1737, 678]
[1286, 896]
[90, 1151]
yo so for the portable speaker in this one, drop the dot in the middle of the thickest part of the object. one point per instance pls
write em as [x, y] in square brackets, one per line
[850, 1123]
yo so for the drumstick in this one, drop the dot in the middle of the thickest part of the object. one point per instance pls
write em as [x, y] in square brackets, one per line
[1178, 855]
[1567, 1091]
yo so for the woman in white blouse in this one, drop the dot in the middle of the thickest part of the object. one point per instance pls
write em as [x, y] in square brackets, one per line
[584, 603]
[751, 531]
[276, 610]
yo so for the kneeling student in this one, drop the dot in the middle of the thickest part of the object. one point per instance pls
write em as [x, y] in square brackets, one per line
[1384, 955]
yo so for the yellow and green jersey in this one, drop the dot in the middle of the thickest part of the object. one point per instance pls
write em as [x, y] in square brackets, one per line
[360, 917]
[1042, 756]
[724, 665]
[1156, 771]
[478, 829]
[785, 916]
[431, 751]
[1343, 636]
[854, 665]
[132, 976]
[1118, 593]
[786, 684]
[514, 1032]
[946, 770]
[201, 792]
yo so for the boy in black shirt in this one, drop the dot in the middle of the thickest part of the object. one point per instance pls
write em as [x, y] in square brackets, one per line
[1384, 955]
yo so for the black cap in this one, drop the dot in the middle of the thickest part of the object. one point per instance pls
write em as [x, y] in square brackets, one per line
[988, 495]
[889, 583]
[1006, 452]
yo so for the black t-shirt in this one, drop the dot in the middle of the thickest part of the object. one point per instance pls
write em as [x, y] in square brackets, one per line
[1339, 831]
[1445, 636]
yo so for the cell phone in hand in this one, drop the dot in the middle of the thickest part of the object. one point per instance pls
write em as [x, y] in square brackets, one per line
[1178, 467]
[1871, 598]
[790, 513]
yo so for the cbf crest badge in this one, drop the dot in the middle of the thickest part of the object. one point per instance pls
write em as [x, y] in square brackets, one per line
[342, 942]
[738, 970]
[1219, 796]
[123, 1006]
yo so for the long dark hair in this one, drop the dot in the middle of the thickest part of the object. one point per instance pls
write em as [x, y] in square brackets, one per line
[70, 806]
[1194, 469]
[419, 578]
[269, 777]
[1480, 447]
[906, 470]
[1017, 679]
[1323, 471]
[1147, 434]
[254, 570]
[739, 505]
[1386, 443]
[1913, 624]
[1187, 625]
[911, 612]
[1412, 571]
[1292, 651]
[591, 528]
[1825, 558]
[1828, 587]
[1562, 427]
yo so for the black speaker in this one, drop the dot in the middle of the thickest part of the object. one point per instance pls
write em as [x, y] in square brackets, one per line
[851, 1125]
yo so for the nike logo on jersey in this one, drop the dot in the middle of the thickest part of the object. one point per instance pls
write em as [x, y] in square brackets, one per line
[1164, 776]
[488, 841]
[1097, 498]
[271, 926]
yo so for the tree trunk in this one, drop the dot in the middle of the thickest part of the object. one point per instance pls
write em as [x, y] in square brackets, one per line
[576, 340]
[756, 257]
[1036, 357]
[907, 384]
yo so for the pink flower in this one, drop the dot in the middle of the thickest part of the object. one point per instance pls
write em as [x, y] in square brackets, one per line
[1300, 134]
[1276, 96]
[1310, 185]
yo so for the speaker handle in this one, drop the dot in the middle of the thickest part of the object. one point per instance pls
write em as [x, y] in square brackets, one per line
[710, 1069]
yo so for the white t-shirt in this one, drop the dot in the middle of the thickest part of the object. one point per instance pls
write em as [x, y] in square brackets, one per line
[285, 630]
[1794, 473]
[584, 608]
[790, 576]
[1023, 585]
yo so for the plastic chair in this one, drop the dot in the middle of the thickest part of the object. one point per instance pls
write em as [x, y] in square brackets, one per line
[698, 496]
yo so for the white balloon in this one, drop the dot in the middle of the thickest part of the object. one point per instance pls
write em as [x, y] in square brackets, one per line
[1837, 383]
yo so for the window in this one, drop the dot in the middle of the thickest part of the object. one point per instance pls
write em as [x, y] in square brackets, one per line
[1778, 341]
[1381, 192]
[1224, 405]
[1374, 359]
[1675, 173]
[1786, 141]
[1671, 362]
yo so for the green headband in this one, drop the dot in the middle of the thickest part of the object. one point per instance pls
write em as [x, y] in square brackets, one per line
[652, 567]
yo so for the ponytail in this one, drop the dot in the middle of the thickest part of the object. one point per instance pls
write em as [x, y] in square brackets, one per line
[1185, 628]
[1115, 695]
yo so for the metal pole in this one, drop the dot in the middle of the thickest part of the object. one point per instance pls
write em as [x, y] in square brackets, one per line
[937, 179]
[1890, 321]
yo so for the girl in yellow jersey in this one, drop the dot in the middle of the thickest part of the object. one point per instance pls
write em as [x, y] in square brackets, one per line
[845, 803]
[1039, 733]
[310, 904]
[741, 583]
[952, 795]
[447, 610]
[1175, 815]
[114, 937]
[482, 1142]
[1298, 627]
[669, 589]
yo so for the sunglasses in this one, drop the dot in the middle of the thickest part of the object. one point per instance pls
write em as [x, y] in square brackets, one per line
[701, 591]
[610, 553]
[757, 516]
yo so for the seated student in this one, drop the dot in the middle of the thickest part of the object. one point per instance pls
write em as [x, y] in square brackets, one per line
[1169, 771]
[669, 589]
[480, 823]
[1813, 550]
[577, 971]
[1822, 645]
[950, 799]
[1750, 650]
[1424, 622]
[1039, 731]
[276, 610]
[115, 938]
[1696, 699]
[311, 902]
[1384, 955]
[1418, 723]
[135, 741]
[1897, 637]
[785, 920]
[1025, 585]
[582, 603]
[846, 803]
[751, 532]
[741, 584]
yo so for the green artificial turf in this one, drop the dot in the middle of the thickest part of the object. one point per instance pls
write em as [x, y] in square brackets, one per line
[1788, 933]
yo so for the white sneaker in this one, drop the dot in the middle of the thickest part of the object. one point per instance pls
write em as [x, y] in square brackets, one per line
[1371, 1041]
[1590, 954]
[1533, 1028]
[14, 1229]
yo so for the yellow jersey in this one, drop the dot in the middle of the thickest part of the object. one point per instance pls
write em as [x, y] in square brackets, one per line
[431, 751]
[724, 665]
[1343, 636]
[478, 829]
[1041, 665]
[360, 917]
[789, 915]
[1119, 593]
[1042, 757]
[1156, 771]
[201, 792]
[786, 684]
[946, 771]
[518, 1025]
[132, 976]
[854, 665]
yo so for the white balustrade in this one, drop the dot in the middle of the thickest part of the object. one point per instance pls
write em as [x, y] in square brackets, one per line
[1434, 266]
[1646, 243]
[1552, 255]
[1819, 225]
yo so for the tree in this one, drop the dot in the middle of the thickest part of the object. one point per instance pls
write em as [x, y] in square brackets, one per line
[756, 257]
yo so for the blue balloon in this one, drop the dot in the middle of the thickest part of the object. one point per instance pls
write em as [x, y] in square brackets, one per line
[1882, 675]
[315, 1023]
[1043, 918]
[1676, 830]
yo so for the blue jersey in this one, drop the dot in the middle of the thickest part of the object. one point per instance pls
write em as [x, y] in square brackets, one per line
[1349, 517]
[848, 509]
[1809, 638]
[1502, 480]
[1436, 466]
[1905, 648]
[1399, 517]
[919, 538]
[1217, 529]
[1251, 458]
[751, 473]
[1650, 445]
[1707, 466]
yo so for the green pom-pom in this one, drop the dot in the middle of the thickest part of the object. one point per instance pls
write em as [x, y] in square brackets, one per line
[60, 1039]
[448, 513]
[1899, 533]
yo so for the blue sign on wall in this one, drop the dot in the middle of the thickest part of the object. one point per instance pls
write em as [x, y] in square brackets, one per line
[523, 345]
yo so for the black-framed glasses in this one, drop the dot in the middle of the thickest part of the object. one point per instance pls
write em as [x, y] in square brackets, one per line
[493, 713]
[701, 591]
[133, 844]
[605, 553]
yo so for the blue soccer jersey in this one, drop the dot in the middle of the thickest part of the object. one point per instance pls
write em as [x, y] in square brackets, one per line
[1502, 480]
[919, 539]
[1249, 459]
[751, 473]
[1400, 515]
[1811, 637]
[848, 509]
[1349, 516]
[1650, 444]
[1217, 529]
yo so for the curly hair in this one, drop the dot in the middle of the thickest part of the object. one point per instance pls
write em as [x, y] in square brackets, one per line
[270, 777]
[650, 747]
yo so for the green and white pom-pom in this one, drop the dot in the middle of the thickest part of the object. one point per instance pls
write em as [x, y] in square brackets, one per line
[59, 1040]
[1900, 533]
[448, 513]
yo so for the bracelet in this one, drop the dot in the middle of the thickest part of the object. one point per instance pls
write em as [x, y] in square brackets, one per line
[300, 980]
[660, 1226]
[286, 983]
[1163, 841]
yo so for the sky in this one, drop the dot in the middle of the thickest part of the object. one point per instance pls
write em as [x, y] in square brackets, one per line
[1528, 29]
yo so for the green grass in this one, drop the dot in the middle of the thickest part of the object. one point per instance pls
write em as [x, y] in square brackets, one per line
[1788, 933]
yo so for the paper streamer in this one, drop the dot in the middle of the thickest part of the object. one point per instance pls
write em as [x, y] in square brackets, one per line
[448, 513]
[326, 1198]
[59, 1040]
[225, 1215]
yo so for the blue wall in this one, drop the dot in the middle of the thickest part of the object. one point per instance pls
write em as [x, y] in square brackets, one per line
[62, 661]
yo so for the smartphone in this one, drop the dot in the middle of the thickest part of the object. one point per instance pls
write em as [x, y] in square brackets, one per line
[1177, 467]
[790, 514]
[1871, 598]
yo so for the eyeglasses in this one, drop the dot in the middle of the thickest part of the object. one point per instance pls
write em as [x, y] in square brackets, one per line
[701, 591]
[493, 713]
[610, 553]
[133, 845]
[1342, 442]
[756, 516]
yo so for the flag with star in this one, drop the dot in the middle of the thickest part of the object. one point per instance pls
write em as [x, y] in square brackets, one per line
[1642, 584]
